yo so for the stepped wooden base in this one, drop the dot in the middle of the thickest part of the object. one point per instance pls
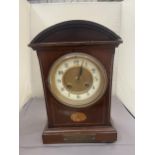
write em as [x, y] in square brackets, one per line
[79, 135]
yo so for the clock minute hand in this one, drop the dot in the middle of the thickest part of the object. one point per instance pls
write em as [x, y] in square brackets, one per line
[80, 72]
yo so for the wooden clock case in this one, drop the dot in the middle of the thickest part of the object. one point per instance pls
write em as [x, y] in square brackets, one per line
[84, 37]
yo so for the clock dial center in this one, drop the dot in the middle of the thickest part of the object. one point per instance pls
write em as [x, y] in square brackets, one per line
[77, 81]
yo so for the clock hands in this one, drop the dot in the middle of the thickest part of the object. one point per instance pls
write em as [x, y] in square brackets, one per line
[81, 70]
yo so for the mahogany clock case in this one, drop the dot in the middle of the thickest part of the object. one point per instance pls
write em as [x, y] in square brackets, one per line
[82, 37]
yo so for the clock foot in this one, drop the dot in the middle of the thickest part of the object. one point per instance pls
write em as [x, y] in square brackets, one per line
[95, 134]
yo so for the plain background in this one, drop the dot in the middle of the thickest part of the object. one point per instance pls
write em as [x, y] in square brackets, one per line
[118, 16]
[145, 75]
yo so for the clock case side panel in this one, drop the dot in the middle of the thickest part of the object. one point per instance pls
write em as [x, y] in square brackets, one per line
[106, 55]
[48, 111]
[110, 88]
[102, 112]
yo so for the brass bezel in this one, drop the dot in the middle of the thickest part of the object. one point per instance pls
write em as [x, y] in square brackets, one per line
[81, 103]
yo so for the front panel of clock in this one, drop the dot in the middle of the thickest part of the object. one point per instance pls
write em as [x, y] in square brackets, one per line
[77, 85]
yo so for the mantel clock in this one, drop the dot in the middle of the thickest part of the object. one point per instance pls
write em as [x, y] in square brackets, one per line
[76, 62]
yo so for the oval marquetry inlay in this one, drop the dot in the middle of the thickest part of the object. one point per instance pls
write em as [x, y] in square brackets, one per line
[78, 117]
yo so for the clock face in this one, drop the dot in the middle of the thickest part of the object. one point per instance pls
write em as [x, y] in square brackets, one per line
[77, 80]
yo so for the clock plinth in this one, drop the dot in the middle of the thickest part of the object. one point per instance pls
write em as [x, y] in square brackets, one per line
[95, 134]
[76, 63]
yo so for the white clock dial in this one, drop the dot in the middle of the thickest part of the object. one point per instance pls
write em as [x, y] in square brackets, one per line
[77, 80]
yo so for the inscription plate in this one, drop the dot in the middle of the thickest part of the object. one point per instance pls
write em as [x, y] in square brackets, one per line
[79, 138]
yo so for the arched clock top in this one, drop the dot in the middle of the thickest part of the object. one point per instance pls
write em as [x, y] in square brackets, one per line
[75, 32]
